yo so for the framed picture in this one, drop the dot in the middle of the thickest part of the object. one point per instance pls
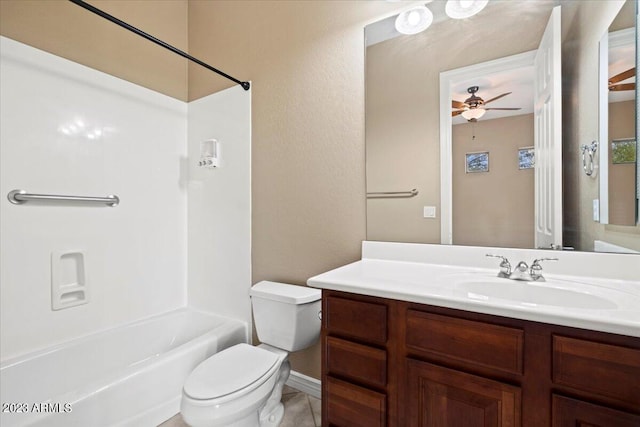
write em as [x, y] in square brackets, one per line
[526, 158]
[477, 162]
[623, 151]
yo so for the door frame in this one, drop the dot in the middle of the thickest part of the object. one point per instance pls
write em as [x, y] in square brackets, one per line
[447, 80]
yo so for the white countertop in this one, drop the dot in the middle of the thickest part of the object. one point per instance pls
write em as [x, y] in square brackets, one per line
[610, 304]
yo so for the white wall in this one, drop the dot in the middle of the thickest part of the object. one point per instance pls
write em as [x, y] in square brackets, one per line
[220, 205]
[135, 252]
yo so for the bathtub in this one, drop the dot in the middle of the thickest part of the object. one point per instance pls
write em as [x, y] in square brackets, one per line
[130, 375]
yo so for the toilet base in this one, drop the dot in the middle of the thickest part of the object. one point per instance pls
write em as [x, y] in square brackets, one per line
[273, 411]
[250, 420]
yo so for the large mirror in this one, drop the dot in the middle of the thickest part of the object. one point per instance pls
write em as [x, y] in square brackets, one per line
[492, 179]
[618, 157]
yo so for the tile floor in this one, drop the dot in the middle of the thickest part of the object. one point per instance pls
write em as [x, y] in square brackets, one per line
[300, 410]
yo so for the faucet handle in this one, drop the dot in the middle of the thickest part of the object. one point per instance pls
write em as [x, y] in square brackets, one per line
[505, 266]
[539, 260]
[536, 269]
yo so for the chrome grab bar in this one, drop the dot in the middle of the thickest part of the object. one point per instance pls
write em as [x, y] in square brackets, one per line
[392, 194]
[17, 197]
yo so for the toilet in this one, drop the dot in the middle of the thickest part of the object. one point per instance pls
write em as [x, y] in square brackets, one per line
[241, 386]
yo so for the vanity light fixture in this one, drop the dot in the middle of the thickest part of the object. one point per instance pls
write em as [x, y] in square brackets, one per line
[414, 20]
[473, 113]
[460, 9]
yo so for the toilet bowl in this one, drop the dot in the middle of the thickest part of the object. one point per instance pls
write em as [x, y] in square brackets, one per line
[241, 386]
[229, 389]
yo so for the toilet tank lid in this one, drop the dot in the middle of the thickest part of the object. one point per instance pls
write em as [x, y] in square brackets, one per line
[290, 294]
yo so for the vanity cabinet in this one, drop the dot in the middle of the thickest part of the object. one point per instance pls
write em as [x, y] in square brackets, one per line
[395, 363]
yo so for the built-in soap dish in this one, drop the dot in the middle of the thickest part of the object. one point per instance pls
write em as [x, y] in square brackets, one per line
[68, 280]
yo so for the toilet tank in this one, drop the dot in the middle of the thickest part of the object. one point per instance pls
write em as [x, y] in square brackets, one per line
[286, 316]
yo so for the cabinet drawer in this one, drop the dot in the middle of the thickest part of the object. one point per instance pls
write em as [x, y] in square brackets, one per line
[493, 346]
[604, 369]
[351, 406]
[357, 319]
[358, 362]
[575, 413]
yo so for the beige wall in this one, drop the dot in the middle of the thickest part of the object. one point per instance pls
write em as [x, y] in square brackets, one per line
[622, 176]
[580, 126]
[402, 109]
[305, 60]
[494, 208]
[67, 30]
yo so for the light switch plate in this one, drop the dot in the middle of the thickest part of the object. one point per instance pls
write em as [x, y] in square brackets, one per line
[596, 209]
[429, 212]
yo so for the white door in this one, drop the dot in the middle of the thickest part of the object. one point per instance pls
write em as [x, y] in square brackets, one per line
[548, 137]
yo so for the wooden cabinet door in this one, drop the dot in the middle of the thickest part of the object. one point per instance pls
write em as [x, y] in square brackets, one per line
[441, 397]
[575, 413]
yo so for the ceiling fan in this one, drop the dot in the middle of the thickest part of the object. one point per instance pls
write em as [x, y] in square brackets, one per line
[613, 86]
[473, 107]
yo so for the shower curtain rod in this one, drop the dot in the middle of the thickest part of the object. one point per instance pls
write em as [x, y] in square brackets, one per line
[90, 8]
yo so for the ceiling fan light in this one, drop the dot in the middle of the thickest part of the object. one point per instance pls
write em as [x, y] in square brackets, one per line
[461, 9]
[473, 113]
[414, 20]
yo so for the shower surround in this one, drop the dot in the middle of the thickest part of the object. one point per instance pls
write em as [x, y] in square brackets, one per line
[68, 129]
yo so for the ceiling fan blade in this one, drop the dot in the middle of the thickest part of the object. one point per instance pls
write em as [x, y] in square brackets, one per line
[623, 76]
[497, 97]
[503, 108]
[621, 87]
[457, 104]
[457, 113]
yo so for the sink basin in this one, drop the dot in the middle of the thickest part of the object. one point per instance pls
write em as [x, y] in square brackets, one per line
[532, 294]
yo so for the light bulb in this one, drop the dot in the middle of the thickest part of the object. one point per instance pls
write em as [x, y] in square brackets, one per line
[460, 9]
[414, 20]
[473, 113]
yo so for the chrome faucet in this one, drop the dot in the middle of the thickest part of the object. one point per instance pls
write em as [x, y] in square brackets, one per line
[522, 271]
[505, 266]
[536, 269]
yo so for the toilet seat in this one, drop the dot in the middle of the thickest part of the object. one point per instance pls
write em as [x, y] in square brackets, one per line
[234, 371]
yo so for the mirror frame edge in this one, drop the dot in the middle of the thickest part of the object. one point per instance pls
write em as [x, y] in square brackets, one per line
[603, 129]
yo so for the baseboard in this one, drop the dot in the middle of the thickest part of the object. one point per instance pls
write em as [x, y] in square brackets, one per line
[304, 383]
